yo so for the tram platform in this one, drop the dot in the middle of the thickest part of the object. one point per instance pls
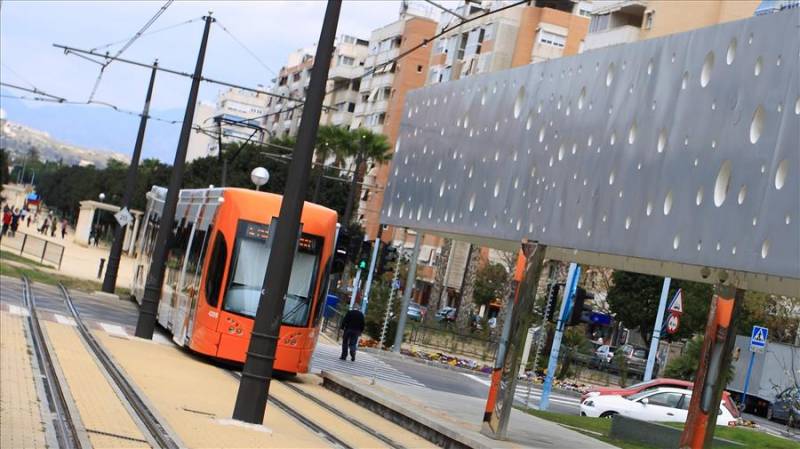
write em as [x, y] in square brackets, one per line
[22, 425]
[455, 418]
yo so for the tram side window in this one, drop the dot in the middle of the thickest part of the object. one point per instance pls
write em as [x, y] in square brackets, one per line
[216, 268]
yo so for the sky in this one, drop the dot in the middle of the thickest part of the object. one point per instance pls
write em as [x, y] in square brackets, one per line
[270, 29]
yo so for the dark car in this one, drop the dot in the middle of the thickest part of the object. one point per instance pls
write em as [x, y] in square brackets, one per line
[446, 314]
[786, 407]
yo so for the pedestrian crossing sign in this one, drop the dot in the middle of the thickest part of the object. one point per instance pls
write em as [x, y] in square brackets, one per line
[758, 339]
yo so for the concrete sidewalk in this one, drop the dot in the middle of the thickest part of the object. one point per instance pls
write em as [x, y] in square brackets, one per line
[456, 418]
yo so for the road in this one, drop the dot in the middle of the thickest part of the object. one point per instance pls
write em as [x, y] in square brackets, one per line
[120, 318]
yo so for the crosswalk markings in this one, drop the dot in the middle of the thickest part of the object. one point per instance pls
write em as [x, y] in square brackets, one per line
[114, 329]
[61, 319]
[522, 392]
[326, 358]
[17, 310]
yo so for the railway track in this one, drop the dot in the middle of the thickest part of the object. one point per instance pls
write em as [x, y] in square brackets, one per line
[319, 429]
[153, 431]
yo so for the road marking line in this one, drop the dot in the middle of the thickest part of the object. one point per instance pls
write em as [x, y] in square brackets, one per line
[522, 391]
[114, 329]
[61, 319]
[17, 310]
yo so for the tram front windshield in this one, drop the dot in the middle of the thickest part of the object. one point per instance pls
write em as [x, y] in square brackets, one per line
[249, 264]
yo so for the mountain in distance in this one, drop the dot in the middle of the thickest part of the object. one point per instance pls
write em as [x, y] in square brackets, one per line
[18, 139]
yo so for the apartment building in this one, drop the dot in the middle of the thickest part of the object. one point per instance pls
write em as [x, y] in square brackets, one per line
[382, 96]
[347, 66]
[509, 38]
[199, 143]
[628, 21]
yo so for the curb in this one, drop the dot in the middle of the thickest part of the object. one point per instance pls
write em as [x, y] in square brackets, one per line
[458, 369]
[104, 295]
[396, 412]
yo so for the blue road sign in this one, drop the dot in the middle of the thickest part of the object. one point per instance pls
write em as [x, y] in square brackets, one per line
[758, 339]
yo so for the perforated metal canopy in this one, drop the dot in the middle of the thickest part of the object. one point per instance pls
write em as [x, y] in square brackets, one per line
[663, 156]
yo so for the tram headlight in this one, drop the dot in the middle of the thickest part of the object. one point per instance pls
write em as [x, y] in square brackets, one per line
[231, 329]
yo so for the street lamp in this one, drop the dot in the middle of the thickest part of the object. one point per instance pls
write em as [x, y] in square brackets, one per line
[102, 196]
[259, 176]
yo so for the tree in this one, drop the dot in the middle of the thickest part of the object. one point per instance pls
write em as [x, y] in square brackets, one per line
[362, 145]
[489, 283]
[633, 299]
[4, 175]
[774, 312]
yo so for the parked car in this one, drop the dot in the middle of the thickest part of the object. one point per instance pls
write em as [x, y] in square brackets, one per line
[664, 404]
[786, 407]
[654, 384]
[415, 312]
[635, 354]
[446, 314]
[604, 353]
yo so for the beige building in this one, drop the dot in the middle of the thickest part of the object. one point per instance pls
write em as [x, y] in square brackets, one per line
[513, 37]
[634, 20]
[347, 66]
[200, 143]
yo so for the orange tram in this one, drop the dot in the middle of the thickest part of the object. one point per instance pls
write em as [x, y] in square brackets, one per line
[215, 268]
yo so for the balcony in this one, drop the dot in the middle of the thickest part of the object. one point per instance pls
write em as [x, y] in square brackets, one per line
[624, 34]
[345, 72]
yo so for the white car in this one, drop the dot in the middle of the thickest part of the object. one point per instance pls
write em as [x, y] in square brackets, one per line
[660, 404]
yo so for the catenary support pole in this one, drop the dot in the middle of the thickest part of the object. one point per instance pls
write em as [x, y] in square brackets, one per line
[365, 301]
[155, 275]
[563, 316]
[110, 280]
[390, 301]
[662, 307]
[251, 399]
[356, 287]
[412, 275]
[715, 359]
[747, 379]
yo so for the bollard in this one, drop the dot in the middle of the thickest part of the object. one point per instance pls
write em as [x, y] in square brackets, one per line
[100, 269]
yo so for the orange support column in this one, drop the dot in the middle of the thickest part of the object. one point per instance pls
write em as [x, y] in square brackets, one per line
[515, 328]
[715, 360]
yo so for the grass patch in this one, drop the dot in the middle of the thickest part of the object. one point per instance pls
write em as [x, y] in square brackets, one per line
[751, 438]
[46, 277]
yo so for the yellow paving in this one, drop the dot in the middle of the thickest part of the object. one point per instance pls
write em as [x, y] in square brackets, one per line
[21, 424]
[107, 421]
[312, 385]
[196, 398]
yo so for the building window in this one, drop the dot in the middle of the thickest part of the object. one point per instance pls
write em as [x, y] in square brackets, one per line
[346, 60]
[419, 69]
[462, 45]
[584, 12]
[351, 107]
[547, 38]
[599, 23]
[648, 19]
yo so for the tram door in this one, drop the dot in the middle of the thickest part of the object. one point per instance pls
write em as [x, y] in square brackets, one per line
[189, 282]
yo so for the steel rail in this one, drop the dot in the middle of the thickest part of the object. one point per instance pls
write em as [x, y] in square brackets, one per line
[390, 442]
[305, 421]
[157, 432]
[63, 422]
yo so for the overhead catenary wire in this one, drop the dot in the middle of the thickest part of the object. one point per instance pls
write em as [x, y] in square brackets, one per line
[22, 78]
[159, 30]
[245, 48]
[127, 45]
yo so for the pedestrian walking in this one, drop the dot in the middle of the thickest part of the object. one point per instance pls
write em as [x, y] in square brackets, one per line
[6, 221]
[53, 229]
[63, 228]
[353, 326]
[15, 215]
[45, 227]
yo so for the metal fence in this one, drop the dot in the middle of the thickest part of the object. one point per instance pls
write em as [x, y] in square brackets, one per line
[36, 247]
[447, 340]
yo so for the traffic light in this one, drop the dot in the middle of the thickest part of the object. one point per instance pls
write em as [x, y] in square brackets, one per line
[581, 312]
[552, 299]
[340, 255]
[388, 259]
[364, 254]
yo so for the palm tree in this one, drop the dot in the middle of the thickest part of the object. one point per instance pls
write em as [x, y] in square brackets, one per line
[363, 145]
[330, 142]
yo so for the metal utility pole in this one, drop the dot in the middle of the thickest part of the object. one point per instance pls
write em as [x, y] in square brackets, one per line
[412, 274]
[251, 399]
[566, 306]
[392, 291]
[155, 276]
[662, 307]
[375, 249]
[110, 280]
[222, 158]
[356, 287]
